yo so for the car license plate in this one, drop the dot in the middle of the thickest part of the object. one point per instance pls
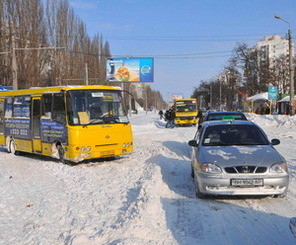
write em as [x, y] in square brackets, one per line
[246, 182]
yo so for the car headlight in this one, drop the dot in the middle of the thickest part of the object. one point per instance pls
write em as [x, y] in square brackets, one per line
[279, 168]
[210, 168]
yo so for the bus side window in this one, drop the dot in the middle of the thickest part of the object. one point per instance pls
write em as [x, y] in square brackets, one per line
[8, 107]
[1, 116]
[58, 109]
[46, 105]
[21, 106]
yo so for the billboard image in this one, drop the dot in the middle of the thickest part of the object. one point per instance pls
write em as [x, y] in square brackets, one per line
[176, 97]
[129, 69]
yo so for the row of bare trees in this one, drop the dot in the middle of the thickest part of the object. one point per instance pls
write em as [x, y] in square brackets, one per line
[51, 46]
[245, 74]
[50, 42]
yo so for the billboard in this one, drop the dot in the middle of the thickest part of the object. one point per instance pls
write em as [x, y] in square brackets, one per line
[176, 97]
[130, 69]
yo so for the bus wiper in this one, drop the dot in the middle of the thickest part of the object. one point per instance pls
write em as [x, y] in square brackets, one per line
[111, 119]
[93, 121]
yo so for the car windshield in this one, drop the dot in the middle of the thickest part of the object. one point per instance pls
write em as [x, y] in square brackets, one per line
[220, 135]
[95, 107]
[238, 116]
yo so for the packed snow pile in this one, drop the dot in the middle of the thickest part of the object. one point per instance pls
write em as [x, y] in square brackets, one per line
[284, 121]
[145, 198]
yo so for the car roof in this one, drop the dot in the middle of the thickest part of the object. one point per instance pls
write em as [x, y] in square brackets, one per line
[225, 112]
[235, 122]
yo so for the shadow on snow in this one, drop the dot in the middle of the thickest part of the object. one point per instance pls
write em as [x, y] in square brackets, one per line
[214, 220]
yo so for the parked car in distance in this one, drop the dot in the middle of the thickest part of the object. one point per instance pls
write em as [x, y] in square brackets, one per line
[236, 158]
[219, 115]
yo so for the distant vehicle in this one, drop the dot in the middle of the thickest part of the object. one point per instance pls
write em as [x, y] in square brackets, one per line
[236, 158]
[186, 112]
[72, 123]
[219, 115]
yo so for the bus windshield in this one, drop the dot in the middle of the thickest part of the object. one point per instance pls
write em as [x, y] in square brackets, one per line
[186, 106]
[95, 107]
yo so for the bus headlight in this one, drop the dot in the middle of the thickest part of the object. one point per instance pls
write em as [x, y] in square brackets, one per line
[85, 148]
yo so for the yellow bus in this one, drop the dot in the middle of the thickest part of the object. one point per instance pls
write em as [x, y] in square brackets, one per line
[71, 123]
[186, 111]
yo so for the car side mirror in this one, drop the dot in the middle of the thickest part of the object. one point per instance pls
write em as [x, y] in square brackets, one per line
[275, 142]
[192, 143]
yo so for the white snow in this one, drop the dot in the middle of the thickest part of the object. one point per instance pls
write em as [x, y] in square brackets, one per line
[262, 96]
[145, 198]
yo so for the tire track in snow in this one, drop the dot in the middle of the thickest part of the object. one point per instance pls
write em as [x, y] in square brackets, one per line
[131, 208]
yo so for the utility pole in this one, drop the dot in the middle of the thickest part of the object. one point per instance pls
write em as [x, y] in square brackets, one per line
[291, 68]
[86, 74]
[220, 94]
[211, 97]
[13, 62]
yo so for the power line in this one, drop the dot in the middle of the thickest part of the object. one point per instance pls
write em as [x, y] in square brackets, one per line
[40, 48]
[208, 38]
[190, 54]
[200, 37]
[201, 57]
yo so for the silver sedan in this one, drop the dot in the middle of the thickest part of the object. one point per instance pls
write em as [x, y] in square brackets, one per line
[236, 158]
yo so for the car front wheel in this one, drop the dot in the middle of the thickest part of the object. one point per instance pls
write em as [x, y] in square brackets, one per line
[199, 194]
[281, 195]
[192, 172]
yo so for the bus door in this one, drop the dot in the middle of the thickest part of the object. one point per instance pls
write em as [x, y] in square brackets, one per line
[36, 117]
[2, 136]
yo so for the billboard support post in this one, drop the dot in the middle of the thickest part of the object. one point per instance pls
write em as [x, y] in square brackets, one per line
[146, 90]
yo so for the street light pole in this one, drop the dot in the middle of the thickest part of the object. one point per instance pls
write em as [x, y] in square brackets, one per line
[211, 97]
[220, 95]
[291, 68]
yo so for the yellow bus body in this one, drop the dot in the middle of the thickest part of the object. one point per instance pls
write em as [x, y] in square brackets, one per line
[81, 141]
[188, 116]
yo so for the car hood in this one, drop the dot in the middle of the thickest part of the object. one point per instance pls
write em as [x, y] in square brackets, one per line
[263, 155]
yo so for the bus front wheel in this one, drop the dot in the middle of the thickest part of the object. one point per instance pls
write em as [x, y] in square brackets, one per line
[61, 153]
[12, 147]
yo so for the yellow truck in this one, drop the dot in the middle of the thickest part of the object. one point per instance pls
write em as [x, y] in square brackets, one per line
[186, 112]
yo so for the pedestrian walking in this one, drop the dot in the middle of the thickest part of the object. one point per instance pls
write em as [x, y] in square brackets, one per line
[160, 113]
[170, 117]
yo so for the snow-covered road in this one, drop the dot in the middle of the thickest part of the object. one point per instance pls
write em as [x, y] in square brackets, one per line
[145, 198]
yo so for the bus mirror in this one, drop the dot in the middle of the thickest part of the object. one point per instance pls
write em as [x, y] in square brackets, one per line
[46, 116]
[83, 117]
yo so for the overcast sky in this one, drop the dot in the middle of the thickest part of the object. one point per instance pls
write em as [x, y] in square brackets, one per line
[191, 40]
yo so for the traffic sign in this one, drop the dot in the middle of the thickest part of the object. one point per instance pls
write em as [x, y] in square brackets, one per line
[273, 93]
